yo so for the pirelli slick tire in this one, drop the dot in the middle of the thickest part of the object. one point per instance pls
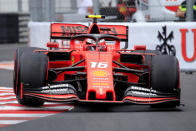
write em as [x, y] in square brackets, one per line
[33, 74]
[165, 76]
[18, 53]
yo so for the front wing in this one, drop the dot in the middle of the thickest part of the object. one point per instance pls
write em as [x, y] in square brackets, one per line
[134, 95]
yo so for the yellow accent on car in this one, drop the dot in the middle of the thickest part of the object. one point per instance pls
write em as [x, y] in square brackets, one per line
[101, 84]
[100, 73]
[118, 60]
[72, 60]
[95, 16]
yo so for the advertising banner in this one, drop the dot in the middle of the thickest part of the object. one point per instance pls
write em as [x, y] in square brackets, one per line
[172, 38]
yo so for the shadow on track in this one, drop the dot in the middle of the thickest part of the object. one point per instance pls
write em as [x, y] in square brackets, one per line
[97, 107]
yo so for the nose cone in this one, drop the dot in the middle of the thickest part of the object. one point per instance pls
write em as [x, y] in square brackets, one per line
[99, 76]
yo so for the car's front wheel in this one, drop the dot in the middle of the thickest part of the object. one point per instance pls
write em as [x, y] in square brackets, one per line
[165, 77]
[18, 54]
[33, 68]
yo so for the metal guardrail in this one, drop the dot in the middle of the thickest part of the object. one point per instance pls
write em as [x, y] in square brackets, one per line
[23, 19]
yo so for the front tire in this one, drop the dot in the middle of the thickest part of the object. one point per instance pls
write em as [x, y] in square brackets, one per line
[165, 77]
[33, 73]
[18, 54]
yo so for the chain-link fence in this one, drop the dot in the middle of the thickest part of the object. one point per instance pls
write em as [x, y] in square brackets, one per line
[16, 14]
[75, 10]
[121, 10]
[141, 10]
[149, 10]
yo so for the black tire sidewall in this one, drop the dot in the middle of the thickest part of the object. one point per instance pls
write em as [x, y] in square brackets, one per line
[18, 54]
[164, 73]
[32, 69]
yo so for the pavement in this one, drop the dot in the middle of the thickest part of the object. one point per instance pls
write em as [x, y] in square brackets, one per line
[99, 117]
[7, 51]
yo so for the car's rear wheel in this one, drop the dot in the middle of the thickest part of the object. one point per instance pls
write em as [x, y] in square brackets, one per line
[33, 70]
[165, 76]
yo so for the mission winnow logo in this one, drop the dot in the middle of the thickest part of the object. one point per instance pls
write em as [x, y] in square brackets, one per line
[164, 38]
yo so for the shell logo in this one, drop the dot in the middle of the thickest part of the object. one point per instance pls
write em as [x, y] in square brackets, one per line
[101, 84]
[100, 73]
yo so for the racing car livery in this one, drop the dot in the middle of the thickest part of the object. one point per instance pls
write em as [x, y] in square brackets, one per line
[89, 66]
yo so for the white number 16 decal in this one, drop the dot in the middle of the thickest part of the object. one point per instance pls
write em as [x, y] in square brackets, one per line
[99, 64]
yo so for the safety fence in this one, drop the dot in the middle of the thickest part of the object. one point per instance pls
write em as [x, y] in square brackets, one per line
[74, 10]
[69, 11]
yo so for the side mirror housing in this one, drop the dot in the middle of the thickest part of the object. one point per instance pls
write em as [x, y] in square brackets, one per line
[53, 45]
[140, 47]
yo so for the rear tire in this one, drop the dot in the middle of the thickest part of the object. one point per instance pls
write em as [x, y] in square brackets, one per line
[165, 77]
[33, 73]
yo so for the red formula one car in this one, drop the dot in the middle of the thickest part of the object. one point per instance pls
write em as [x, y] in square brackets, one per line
[94, 69]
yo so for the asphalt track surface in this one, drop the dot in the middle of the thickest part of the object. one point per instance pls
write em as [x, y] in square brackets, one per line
[112, 117]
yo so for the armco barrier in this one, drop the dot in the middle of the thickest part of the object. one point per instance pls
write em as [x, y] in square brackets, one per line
[172, 38]
[9, 26]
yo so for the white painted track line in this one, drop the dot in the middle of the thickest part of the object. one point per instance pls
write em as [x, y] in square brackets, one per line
[11, 121]
[13, 113]
[7, 65]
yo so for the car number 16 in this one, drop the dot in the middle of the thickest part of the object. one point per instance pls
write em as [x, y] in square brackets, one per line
[99, 64]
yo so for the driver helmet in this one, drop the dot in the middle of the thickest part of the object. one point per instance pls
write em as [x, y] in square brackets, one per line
[91, 44]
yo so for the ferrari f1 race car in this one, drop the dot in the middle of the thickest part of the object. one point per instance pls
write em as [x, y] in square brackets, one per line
[89, 66]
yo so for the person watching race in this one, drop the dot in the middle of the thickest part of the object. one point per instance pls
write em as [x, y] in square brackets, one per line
[85, 6]
[181, 12]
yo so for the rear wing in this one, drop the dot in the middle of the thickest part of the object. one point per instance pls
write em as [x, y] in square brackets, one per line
[119, 31]
[66, 31]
